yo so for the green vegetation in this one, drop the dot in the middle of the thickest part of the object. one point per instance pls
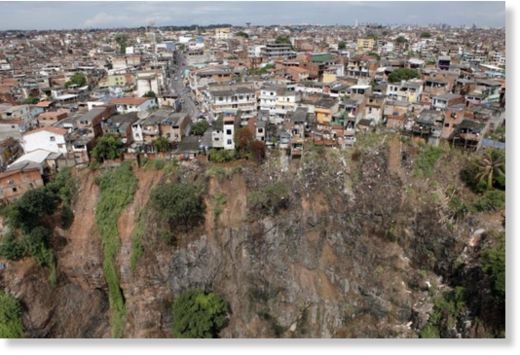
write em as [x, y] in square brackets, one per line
[137, 241]
[31, 100]
[197, 314]
[30, 210]
[447, 309]
[283, 40]
[498, 134]
[117, 187]
[108, 147]
[342, 45]
[491, 169]
[261, 71]
[150, 94]
[270, 199]
[28, 219]
[221, 155]
[199, 127]
[242, 34]
[494, 264]
[10, 317]
[219, 201]
[425, 163]
[402, 74]
[375, 55]
[178, 203]
[122, 42]
[401, 40]
[78, 79]
[491, 200]
[161, 145]
[426, 35]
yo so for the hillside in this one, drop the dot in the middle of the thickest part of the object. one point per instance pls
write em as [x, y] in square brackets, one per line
[384, 240]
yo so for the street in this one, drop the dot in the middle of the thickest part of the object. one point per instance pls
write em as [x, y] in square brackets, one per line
[178, 87]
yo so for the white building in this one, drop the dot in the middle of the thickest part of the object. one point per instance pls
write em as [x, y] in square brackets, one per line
[278, 101]
[133, 104]
[229, 132]
[231, 99]
[51, 139]
[147, 82]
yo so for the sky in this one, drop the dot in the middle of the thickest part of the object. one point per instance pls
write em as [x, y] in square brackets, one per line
[74, 15]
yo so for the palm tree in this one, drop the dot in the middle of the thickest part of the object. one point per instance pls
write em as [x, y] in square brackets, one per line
[491, 168]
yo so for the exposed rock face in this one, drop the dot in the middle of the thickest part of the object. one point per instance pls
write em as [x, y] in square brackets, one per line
[343, 260]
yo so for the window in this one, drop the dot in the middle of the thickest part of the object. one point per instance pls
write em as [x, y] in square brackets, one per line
[52, 138]
[228, 131]
[14, 189]
[229, 141]
[217, 138]
[260, 130]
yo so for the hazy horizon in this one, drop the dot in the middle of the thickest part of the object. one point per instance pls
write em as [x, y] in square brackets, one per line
[106, 15]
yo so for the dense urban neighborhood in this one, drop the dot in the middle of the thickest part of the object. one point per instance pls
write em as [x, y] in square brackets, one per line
[291, 181]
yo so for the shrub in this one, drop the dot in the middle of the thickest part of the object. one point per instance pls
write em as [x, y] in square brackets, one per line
[402, 74]
[494, 264]
[35, 241]
[426, 160]
[10, 317]
[447, 309]
[491, 200]
[199, 127]
[67, 216]
[77, 79]
[221, 155]
[108, 147]
[197, 314]
[64, 185]
[179, 203]
[270, 199]
[117, 187]
[161, 144]
[29, 210]
[11, 248]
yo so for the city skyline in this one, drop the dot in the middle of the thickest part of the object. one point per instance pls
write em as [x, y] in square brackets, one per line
[87, 15]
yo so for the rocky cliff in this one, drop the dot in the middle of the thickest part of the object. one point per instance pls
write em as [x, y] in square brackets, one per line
[362, 248]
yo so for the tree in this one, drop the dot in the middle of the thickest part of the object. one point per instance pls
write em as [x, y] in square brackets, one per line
[270, 199]
[200, 127]
[197, 314]
[257, 149]
[29, 210]
[122, 41]
[78, 79]
[342, 45]
[494, 263]
[243, 139]
[426, 34]
[402, 74]
[179, 203]
[10, 317]
[491, 169]
[400, 40]
[283, 40]
[31, 100]
[242, 34]
[150, 94]
[107, 147]
[161, 144]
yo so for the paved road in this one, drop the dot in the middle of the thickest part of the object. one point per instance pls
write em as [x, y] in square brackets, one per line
[177, 86]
